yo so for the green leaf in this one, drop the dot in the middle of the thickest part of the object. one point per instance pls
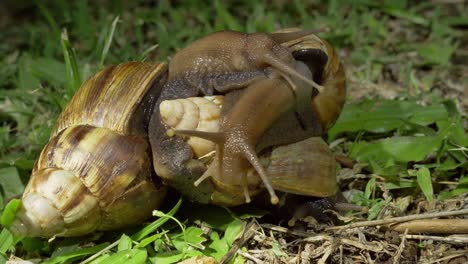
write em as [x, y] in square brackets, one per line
[400, 149]
[100, 259]
[9, 213]
[375, 209]
[386, 155]
[370, 188]
[156, 224]
[191, 236]
[167, 257]
[6, 240]
[125, 243]
[381, 116]
[128, 256]
[75, 254]
[234, 231]
[11, 183]
[146, 241]
[458, 134]
[195, 236]
[425, 182]
[219, 246]
[399, 184]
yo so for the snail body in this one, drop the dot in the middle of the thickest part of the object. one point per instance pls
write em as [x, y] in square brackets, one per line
[241, 129]
[110, 158]
[227, 60]
[237, 142]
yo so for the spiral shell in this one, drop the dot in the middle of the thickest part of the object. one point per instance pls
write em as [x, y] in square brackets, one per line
[330, 74]
[305, 168]
[95, 173]
[194, 113]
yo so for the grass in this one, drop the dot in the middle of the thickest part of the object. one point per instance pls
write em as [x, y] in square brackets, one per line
[405, 62]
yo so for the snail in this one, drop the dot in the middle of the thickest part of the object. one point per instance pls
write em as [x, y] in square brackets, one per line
[226, 60]
[95, 172]
[110, 159]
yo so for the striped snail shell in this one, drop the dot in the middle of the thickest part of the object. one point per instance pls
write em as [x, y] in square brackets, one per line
[328, 71]
[95, 173]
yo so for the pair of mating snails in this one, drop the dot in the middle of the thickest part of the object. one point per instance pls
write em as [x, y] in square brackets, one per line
[232, 113]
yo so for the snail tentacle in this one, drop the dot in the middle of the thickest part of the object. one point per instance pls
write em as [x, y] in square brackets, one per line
[251, 156]
[287, 70]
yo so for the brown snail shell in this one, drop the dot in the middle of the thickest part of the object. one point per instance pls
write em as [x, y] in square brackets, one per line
[329, 72]
[305, 168]
[95, 172]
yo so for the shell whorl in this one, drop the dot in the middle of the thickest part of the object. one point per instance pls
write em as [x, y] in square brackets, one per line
[330, 73]
[49, 199]
[305, 168]
[194, 113]
[88, 179]
[310, 162]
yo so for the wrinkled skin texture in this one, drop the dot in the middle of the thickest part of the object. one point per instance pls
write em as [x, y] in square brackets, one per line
[222, 69]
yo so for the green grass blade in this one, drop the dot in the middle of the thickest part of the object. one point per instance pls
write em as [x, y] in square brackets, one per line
[71, 65]
[146, 241]
[128, 256]
[50, 19]
[69, 256]
[156, 224]
[108, 41]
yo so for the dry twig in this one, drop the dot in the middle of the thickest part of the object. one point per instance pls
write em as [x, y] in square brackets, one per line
[397, 257]
[444, 226]
[449, 239]
[249, 231]
[250, 257]
[395, 220]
